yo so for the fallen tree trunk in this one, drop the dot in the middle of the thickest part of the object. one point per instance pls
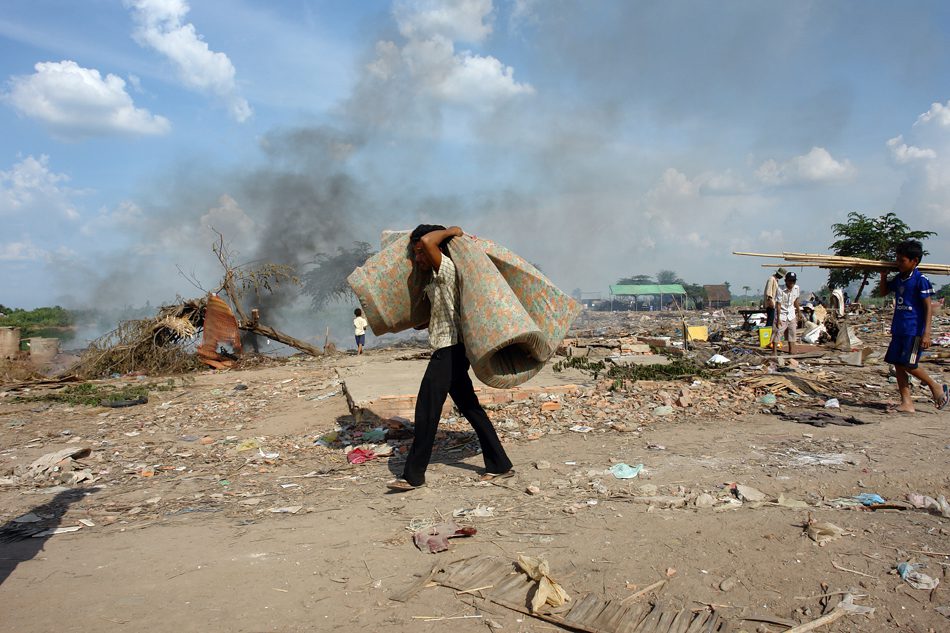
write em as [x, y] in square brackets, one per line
[280, 337]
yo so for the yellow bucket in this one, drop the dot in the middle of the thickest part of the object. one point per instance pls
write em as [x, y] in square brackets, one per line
[765, 336]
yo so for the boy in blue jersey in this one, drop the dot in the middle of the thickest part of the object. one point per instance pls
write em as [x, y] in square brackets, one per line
[910, 328]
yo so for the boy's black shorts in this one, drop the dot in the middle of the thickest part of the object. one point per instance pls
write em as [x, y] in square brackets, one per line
[903, 350]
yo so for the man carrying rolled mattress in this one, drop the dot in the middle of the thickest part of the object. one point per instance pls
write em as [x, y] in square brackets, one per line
[447, 373]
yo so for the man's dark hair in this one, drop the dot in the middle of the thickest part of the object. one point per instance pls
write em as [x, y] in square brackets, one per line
[424, 229]
[911, 249]
[358, 312]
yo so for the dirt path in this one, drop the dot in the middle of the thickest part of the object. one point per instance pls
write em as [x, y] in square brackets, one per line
[200, 554]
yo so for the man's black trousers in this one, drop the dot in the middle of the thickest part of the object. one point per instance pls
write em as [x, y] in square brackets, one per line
[447, 374]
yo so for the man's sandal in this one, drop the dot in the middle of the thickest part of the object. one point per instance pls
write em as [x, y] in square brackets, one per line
[493, 476]
[946, 399]
[401, 485]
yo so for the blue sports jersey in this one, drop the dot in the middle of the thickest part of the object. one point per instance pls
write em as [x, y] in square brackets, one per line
[909, 295]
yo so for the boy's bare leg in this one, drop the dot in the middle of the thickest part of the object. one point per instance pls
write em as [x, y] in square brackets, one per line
[903, 386]
[935, 389]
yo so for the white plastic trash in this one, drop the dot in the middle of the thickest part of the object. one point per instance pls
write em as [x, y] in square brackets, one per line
[717, 359]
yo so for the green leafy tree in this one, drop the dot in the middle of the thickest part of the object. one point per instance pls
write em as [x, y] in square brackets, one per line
[696, 292]
[41, 321]
[635, 280]
[667, 277]
[944, 292]
[868, 238]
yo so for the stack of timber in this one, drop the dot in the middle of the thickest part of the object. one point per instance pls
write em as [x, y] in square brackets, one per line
[838, 261]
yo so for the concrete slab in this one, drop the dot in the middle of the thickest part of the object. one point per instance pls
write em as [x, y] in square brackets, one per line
[380, 385]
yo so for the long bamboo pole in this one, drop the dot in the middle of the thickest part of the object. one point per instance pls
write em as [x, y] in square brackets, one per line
[839, 261]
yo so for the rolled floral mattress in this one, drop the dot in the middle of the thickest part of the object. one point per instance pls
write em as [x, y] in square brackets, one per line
[512, 317]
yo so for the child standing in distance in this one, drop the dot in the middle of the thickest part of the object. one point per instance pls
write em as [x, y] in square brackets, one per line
[359, 330]
[910, 327]
[447, 373]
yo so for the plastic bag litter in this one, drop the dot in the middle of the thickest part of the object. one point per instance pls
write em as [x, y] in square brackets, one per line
[936, 506]
[811, 337]
[717, 359]
[548, 590]
[823, 532]
[869, 499]
[478, 511]
[832, 403]
[436, 538]
[625, 471]
[916, 579]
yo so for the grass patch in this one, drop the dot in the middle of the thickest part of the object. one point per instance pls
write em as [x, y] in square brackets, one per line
[90, 394]
[621, 375]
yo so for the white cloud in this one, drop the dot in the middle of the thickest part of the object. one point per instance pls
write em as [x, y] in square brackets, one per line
[29, 188]
[938, 113]
[814, 167]
[126, 215]
[429, 64]
[460, 20]
[481, 80]
[22, 251]
[904, 153]
[76, 102]
[161, 27]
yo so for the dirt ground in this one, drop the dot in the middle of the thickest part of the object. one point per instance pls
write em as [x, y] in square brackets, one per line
[181, 532]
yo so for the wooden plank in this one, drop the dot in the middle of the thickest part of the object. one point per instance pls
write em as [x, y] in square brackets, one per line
[610, 618]
[582, 610]
[681, 622]
[467, 573]
[648, 625]
[631, 619]
[554, 619]
[713, 624]
[514, 587]
[699, 622]
[489, 576]
[415, 587]
[666, 621]
[595, 612]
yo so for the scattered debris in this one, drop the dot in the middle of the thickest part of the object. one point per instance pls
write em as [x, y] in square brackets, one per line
[938, 506]
[548, 591]
[823, 532]
[436, 538]
[915, 578]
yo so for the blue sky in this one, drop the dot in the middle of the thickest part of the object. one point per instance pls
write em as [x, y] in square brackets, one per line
[598, 140]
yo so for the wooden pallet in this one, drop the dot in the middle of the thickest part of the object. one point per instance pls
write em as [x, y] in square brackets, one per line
[499, 581]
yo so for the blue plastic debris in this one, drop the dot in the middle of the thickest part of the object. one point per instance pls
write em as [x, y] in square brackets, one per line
[625, 471]
[869, 499]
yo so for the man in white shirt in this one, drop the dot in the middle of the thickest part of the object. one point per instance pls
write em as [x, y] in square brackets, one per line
[787, 311]
[359, 330]
[768, 300]
[447, 373]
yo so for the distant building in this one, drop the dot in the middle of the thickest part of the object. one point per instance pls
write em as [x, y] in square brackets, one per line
[718, 296]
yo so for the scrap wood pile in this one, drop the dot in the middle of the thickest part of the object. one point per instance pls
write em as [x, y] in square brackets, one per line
[154, 346]
[791, 382]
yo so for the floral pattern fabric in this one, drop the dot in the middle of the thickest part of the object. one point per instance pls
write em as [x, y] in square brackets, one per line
[512, 317]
